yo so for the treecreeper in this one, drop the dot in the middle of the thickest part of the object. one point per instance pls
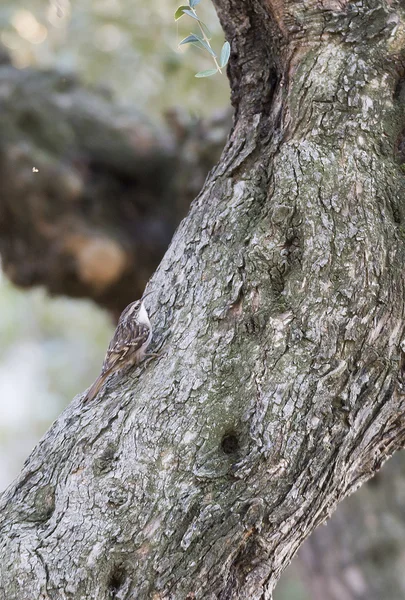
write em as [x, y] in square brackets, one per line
[128, 345]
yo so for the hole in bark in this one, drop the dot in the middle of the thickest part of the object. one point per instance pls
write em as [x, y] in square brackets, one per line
[116, 581]
[272, 83]
[230, 443]
[44, 504]
[252, 325]
[105, 462]
[400, 148]
[399, 91]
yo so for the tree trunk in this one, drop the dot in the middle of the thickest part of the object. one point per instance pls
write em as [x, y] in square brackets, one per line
[359, 554]
[278, 313]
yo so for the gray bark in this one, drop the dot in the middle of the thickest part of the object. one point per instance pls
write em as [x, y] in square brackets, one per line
[278, 312]
[359, 555]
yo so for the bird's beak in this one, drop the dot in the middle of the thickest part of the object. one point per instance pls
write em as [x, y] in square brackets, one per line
[146, 295]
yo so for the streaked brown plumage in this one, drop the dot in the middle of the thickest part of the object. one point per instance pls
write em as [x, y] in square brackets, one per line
[128, 345]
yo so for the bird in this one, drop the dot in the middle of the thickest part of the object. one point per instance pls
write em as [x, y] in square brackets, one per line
[128, 345]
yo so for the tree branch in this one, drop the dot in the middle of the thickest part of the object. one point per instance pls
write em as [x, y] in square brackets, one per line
[359, 555]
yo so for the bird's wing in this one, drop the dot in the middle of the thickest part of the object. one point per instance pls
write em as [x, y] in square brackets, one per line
[127, 339]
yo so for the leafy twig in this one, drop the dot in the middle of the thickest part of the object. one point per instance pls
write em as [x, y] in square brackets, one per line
[204, 41]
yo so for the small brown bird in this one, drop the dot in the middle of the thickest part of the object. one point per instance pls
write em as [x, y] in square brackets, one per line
[128, 346]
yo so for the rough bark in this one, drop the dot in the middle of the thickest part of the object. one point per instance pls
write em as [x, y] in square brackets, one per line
[359, 554]
[279, 314]
[90, 193]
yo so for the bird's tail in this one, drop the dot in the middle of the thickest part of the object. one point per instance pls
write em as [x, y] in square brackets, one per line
[95, 388]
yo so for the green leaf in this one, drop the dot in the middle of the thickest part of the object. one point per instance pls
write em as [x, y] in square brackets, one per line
[225, 53]
[180, 12]
[194, 3]
[189, 39]
[206, 73]
[190, 14]
[206, 30]
[206, 46]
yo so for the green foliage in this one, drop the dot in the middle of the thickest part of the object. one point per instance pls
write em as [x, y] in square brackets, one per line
[180, 12]
[131, 52]
[190, 38]
[225, 53]
[207, 73]
[204, 41]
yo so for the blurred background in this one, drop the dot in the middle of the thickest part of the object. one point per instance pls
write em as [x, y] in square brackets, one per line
[52, 348]
[106, 138]
[130, 47]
